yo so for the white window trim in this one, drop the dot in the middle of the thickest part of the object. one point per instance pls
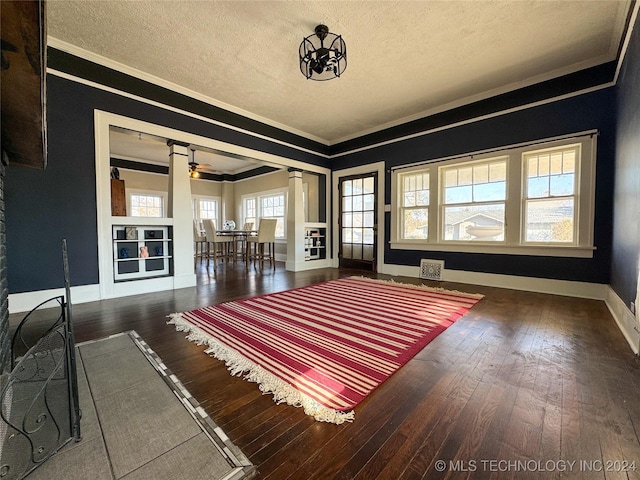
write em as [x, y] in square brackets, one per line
[151, 193]
[218, 200]
[267, 193]
[514, 212]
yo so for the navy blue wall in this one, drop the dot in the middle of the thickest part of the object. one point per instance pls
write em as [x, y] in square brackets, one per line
[626, 214]
[594, 110]
[44, 206]
[60, 202]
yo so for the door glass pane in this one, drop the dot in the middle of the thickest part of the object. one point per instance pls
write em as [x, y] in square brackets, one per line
[356, 254]
[367, 235]
[368, 219]
[367, 252]
[346, 204]
[368, 202]
[357, 202]
[347, 220]
[357, 235]
[346, 250]
[347, 187]
[357, 186]
[347, 235]
[357, 219]
[368, 185]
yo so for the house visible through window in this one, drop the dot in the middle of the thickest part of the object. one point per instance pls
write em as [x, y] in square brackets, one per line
[550, 195]
[533, 199]
[474, 201]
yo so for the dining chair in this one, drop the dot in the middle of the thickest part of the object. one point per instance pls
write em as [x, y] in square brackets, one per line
[256, 244]
[217, 244]
[200, 242]
[241, 240]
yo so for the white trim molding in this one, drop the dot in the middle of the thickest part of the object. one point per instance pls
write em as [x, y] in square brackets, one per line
[595, 291]
[379, 168]
[24, 302]
[135, 73]
[624, 318]
[108, 287]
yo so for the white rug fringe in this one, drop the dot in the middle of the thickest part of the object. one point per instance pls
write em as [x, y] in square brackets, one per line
[267, 382]
[420, 286]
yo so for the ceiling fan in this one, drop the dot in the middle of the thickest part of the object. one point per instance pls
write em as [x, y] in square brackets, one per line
[195, 168]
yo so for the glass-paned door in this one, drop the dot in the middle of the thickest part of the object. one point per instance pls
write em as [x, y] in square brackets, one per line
[357, 222]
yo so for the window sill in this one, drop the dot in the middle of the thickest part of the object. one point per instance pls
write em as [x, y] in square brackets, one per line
[536, 250]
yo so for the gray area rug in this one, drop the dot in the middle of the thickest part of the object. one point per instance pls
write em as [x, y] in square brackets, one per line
[139, 422]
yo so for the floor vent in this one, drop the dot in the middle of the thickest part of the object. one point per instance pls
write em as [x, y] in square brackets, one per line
[431, 269]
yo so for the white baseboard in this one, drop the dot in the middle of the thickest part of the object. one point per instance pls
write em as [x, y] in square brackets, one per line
[597, 291]
[625, 319]
[308, 265]
[23, 302]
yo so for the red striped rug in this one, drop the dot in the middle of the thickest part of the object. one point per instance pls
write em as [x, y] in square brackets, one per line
[325, 347]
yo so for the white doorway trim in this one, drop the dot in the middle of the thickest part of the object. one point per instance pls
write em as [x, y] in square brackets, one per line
[378, 167]
[102, 123]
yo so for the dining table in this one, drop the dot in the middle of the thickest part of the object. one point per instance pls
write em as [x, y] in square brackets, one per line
[239, 235]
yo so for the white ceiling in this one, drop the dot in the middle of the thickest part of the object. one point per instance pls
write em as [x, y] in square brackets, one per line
[406, 59]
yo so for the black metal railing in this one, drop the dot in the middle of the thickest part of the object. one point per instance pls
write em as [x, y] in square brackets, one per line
[39, 410]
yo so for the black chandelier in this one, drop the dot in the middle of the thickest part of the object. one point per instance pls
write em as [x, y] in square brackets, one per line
[323, 56]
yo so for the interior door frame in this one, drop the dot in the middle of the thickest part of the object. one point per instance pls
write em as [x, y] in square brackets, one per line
[358, 263]
[379, 168]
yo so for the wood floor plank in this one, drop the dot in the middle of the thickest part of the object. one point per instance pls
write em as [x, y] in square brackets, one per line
[523, 376]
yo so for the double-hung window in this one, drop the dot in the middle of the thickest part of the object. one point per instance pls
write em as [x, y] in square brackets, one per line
[528, 199]
[143, 204]
[270, 204]
[206, 208]
[250, 208]
[550, 195]
[273, 206]
[473, 201]
[414, 210]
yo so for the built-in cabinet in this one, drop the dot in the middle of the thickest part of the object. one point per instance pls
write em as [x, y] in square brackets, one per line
[315, 243]
[141, 252]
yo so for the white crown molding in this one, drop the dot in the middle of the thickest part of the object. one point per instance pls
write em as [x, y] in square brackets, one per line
[104, 88]
[482, 96]
[475, 119]
[627, 39]
[90, 56]
[122, 68]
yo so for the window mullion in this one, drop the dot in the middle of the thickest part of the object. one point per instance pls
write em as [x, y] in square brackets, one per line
[434, 206]
[514, 204]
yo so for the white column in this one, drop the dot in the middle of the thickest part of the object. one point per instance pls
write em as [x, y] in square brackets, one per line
[295, 223]
[179, 209]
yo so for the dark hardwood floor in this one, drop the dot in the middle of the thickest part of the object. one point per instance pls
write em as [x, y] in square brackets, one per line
[525, 385]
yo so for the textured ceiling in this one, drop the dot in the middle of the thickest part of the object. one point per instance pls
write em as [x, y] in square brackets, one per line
[143, 147]
[406, 59]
